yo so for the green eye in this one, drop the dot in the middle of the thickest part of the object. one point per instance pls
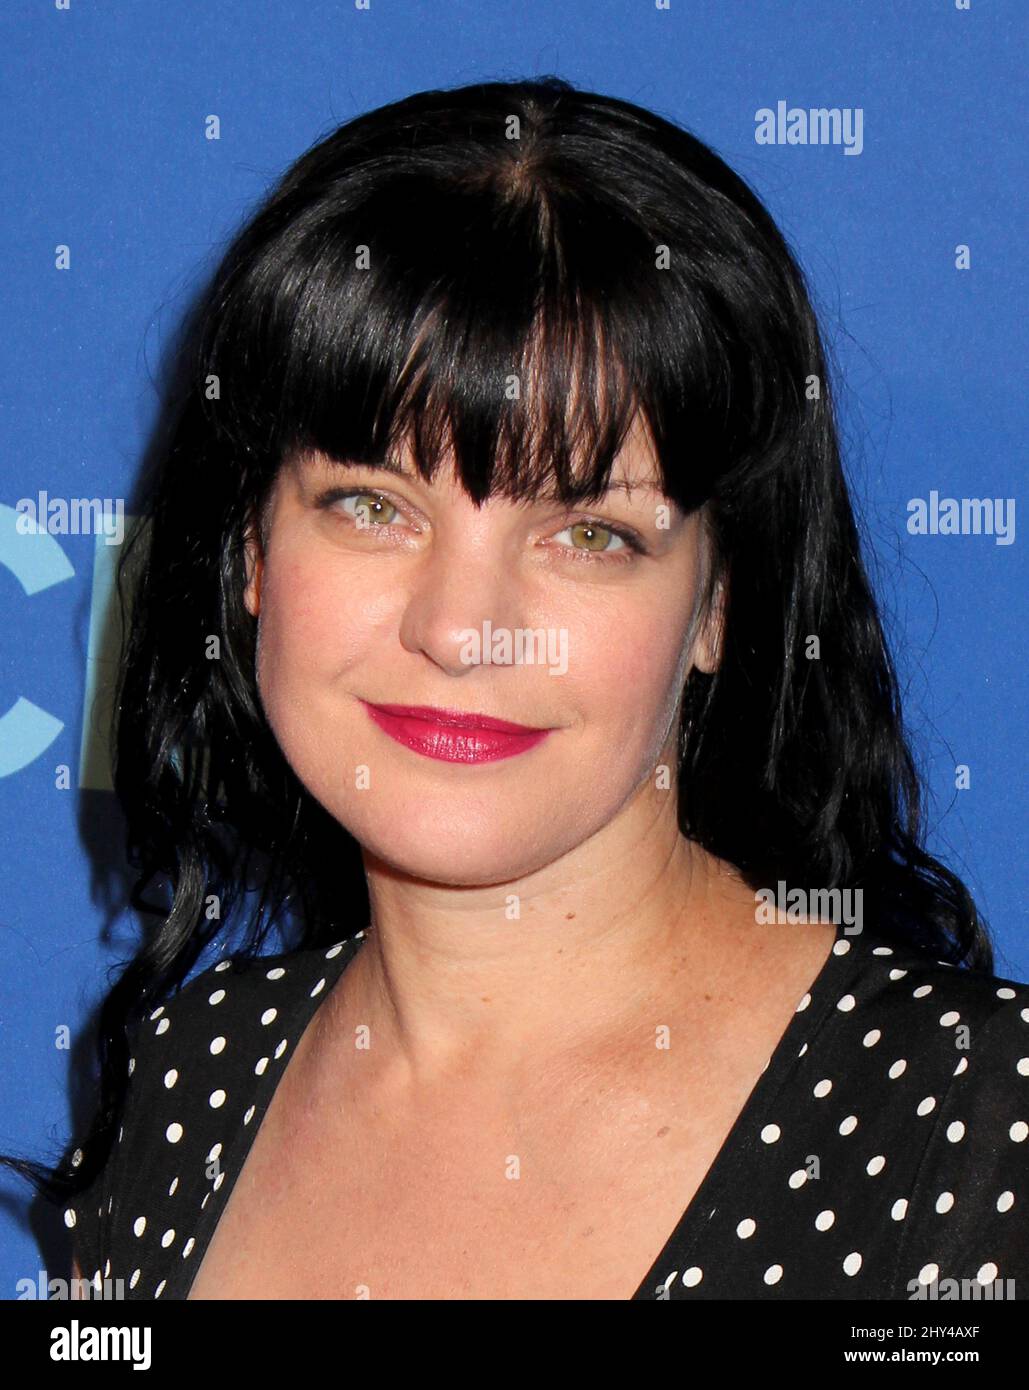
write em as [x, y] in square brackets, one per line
[371, 508]
[594, 535]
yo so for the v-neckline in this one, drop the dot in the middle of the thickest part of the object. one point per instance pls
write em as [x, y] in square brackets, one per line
[767, 1085]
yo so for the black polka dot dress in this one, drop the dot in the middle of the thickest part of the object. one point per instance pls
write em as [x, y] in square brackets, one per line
[883, 1150]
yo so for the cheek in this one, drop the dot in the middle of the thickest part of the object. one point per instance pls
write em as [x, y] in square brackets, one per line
[632, 669]
[312, 620]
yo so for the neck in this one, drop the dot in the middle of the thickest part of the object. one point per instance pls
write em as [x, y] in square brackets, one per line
[494, 982]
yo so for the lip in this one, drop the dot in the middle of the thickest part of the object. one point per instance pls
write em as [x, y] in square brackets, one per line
[455, 736]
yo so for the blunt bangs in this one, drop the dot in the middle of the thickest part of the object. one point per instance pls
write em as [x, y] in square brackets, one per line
[501, 307]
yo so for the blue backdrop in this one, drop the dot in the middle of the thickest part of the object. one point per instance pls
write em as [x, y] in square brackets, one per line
[906, 208]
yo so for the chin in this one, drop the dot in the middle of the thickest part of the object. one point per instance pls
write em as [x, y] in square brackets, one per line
[455, 845]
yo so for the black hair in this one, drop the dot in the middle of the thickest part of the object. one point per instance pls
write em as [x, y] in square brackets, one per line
[387, 290]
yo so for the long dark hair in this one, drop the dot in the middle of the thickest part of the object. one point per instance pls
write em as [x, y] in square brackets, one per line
[402, 271]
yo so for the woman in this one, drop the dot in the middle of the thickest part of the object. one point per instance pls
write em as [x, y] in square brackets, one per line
[502, 549]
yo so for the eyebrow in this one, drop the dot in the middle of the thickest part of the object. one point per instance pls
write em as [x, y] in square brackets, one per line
[397, 468]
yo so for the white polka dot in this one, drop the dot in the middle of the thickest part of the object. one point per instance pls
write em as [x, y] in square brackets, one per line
[882, 950]
[825, 1219]
[135, 1278]
[1018, 1131]
[162, 1027]
[188, 1246]
[217, 1045]
[823, 1088]
[798, 1178]
[213, 1153]
[261, 1066]
[77, 1158]
[281, 1048]
[1022, 1066]
[773, 1274]
[1005, 1201]
[269, 1015]
[70, 1217]
[841, 948]
[852, 1263]
[899, 1209]
[987, 1273]
[898, 1069]
[335, 950]
[216, 997]
[961, 1066]
[922, 991]
[139, 1225]
[318, 987]
[216, 1099]
[170, 1078]
[1006, 992]
[275, 974]
[955, 1131]
[948, 1019]
[926, 1106]
[173, 1133]
[174, 1185]
[770, 1133]
[871, 1038]
[160, 1288]
[746, 1228]
[928, 1274]
[132, 1065]
[846, 1003]
[248, 1116]
[875, 1165]
[944, 1202]
[157, 1012]
[849, 1125]
[897, 974]
[223, 965]
[693, 1276]
[167, 1238]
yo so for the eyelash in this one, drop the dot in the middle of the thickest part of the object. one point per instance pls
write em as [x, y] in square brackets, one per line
[634, 546]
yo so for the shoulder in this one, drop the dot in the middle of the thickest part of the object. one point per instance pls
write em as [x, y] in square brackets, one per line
[201, 1055]
[908, 994]
[238, 997]
[960, 1040]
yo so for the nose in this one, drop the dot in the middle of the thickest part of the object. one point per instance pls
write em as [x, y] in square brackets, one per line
[452, 590]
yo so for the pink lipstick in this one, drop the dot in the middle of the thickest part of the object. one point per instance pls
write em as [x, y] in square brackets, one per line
[454, 736]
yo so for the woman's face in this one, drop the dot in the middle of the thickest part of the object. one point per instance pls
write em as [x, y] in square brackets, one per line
[408, 594]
